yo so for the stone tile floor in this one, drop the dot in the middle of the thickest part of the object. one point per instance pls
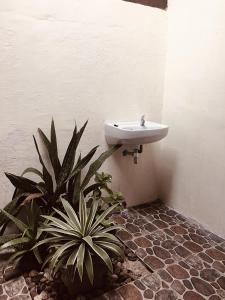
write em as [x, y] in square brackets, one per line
[187, 261]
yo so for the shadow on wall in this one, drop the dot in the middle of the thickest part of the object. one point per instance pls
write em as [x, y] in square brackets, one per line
[154, 3]
[166, 175]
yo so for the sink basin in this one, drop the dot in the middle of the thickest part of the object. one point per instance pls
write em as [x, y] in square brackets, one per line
[132, 133]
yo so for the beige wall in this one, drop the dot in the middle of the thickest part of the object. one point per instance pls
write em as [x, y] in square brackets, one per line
[193, 155]
[75, 59]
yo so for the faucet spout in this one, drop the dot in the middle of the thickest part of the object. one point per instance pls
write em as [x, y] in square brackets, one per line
[142, 120]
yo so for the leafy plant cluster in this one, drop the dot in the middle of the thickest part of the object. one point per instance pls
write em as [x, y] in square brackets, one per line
[66, 211]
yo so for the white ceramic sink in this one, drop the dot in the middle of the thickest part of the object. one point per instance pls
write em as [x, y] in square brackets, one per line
[132, 133]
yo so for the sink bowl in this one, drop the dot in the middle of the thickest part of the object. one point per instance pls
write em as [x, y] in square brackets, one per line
[132, 133]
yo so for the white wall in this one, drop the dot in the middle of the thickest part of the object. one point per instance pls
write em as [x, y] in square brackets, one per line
[74, 59]
[193, 156]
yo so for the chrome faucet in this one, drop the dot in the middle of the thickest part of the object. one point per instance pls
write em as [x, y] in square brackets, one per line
[142, 120]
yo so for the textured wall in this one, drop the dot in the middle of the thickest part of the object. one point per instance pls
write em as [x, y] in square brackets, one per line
[193, 164]
[74, 59]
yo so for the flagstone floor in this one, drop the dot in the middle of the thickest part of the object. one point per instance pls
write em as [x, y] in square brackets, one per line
[187, 261]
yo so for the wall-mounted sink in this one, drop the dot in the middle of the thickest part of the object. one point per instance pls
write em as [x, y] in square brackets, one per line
[133, 133]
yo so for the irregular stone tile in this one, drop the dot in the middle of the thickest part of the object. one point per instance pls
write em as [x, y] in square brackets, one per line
[140, 222]
[160, 224]
[159, 235]
[155, 242]
[156, 216]
[153, 262]
[178, 229]
[219, 266]
[206, 246]
[165, 295]
[169, 244]
[148, 294]
[129, 291]
[220, 248]
[165, 285]
[131, 245]
[143, 242]
[216, 238]
[124, 235]
[190, 295]
[203, 232]
[197, 238]
[193, 272]
[202, 286]
[169, 261]
[183, 252]
[140, 253]
[181, 217]
[195, 262]
[207, 266]
[137, 234]
[132, 228]
[143, 213]
[215, 285]
[205, 257]
[139, 285]
[161, 253]
[118, 219]
[178, 287]
[165, 218]
[186, 237]
[221, 293]
[149, 227]
[193, 246]
[214, 297]
[187, 284]
[165, 275]
[216, 254]
[171, 213]
[209, 274]
[169, 232]
[177, 272]
[14, 286]
[152, 281]
[150, 251]
[184, 265]
[3, 297]
[221, 282]
[1, 290]
[179, 239]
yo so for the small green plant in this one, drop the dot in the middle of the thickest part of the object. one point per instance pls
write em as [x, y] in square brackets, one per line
[75, 239]
[66, 180]
[23, 242]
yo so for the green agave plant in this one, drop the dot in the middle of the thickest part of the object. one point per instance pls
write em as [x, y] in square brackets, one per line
[66, 179]
[74, 240]
[23, 242]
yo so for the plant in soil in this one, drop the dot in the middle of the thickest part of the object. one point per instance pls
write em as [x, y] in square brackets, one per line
[67, 179]
[80, 246]
[23, 242]
[69, 209]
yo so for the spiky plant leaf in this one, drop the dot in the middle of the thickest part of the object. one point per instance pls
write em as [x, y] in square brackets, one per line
[77, 246]
[69, 157]
[34, 171]
[97, 164]
[89, 267]
[21, 225]
[22, 183]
